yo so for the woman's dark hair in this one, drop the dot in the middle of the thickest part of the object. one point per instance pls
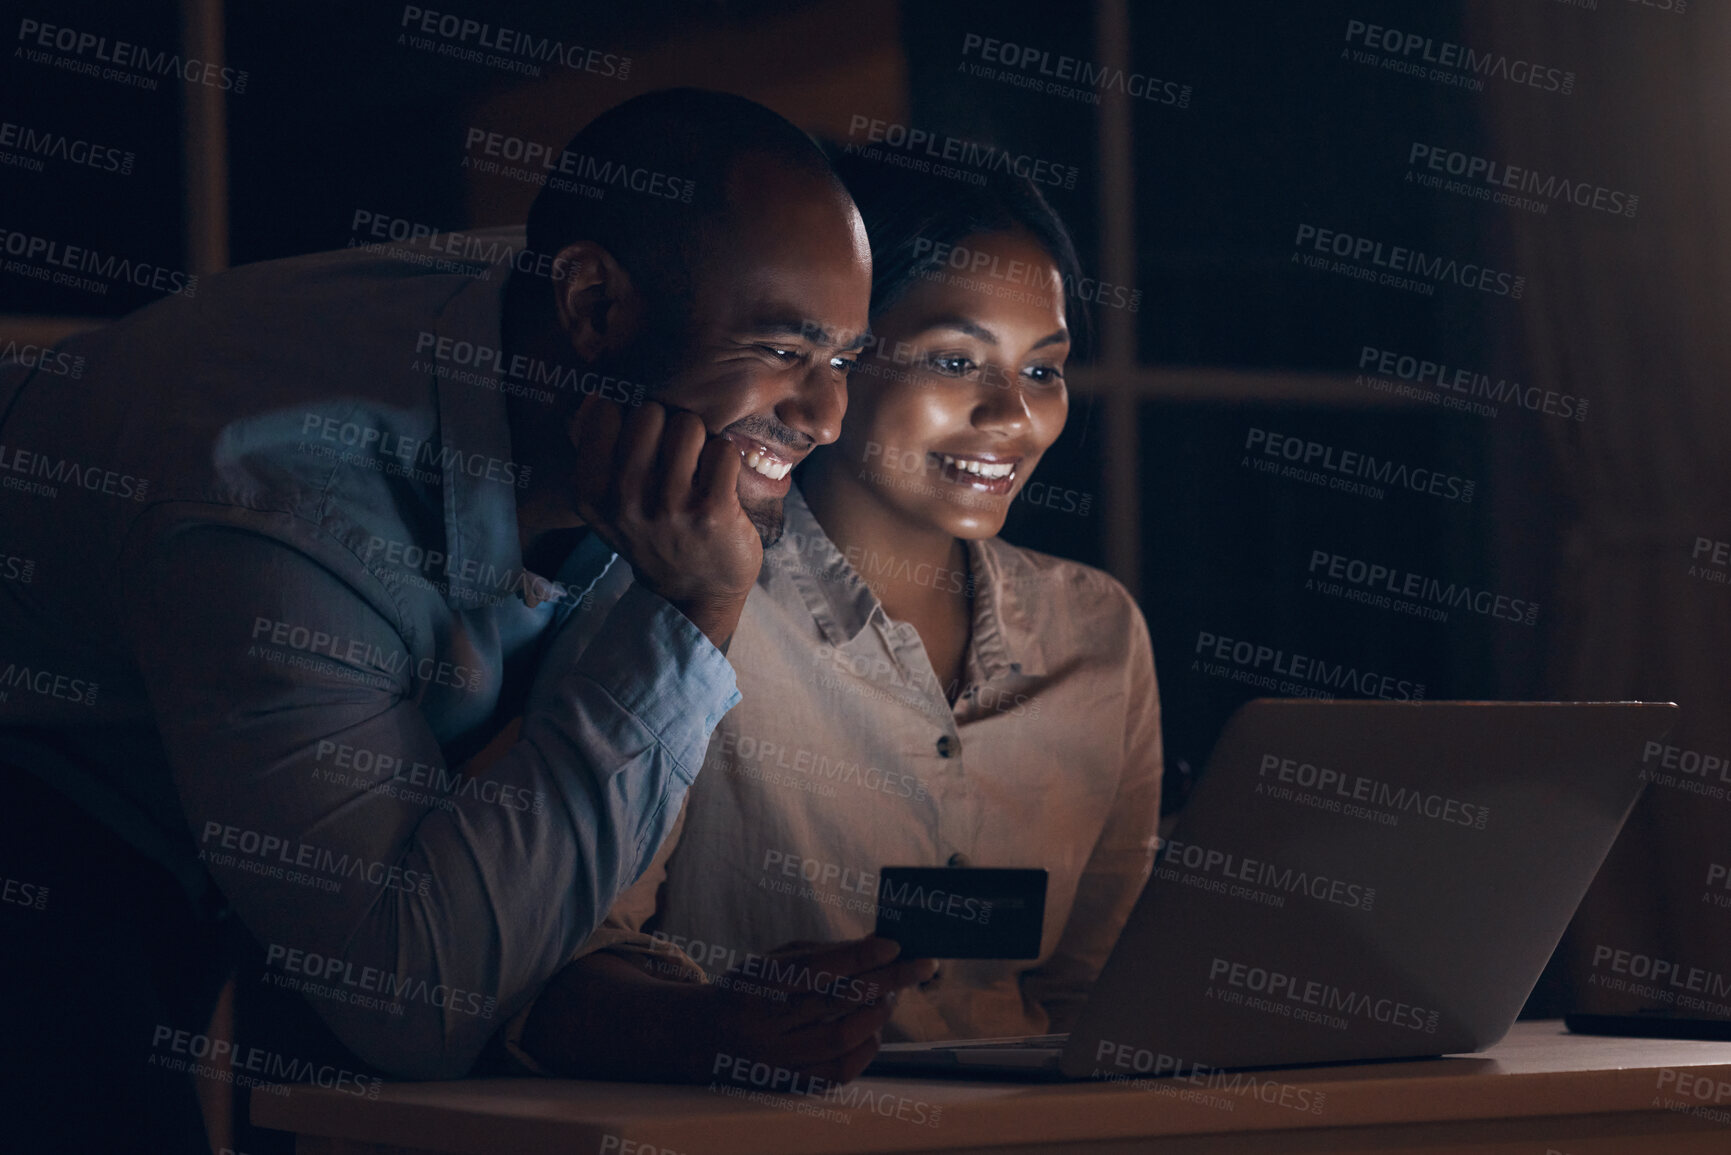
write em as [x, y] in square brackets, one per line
[914, 219]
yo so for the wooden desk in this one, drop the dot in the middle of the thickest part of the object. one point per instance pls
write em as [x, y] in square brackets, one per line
[1541, 1090]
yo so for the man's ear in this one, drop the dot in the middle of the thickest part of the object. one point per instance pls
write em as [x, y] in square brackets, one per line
[599, 310]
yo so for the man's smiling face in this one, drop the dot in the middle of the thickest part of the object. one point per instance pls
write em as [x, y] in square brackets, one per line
[778, 313]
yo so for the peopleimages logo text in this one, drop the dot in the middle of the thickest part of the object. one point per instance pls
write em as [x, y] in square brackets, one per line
[1406, 268]
[533, 371]
[81, 259]
[1443, 377]
[931, 146]
[1324, 996]
[431, 452]
[1250, 660]
[1104, 77]
[1260, 872]
[42, 359]
[977, 262]
[1355, 464]
[750, 752]
[535, 154]
[47, 683]
[1674, 976]
[445, 782]
[1169, 1070]
[1495, 175]
[1430, 592]
[965, 907]
[361, 652]
[1358, 788]
[1416, 50]
[265, 1066]
[123, 55]
[269, 854]
[49, 145]
[459, 32]
[378, 981]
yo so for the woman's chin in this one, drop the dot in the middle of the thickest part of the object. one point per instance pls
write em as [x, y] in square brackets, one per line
[974, 525]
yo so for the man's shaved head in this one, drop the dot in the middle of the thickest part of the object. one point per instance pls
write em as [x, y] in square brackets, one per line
[667, 162]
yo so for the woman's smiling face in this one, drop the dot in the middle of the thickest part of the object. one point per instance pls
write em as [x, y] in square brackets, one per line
[963, 389]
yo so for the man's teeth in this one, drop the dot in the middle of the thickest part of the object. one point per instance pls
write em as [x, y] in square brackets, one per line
[982, 468]
[768, 466]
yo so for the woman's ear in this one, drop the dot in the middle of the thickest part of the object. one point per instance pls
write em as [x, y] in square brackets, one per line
[600, 311]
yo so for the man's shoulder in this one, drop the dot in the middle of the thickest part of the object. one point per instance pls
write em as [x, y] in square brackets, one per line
[311, 307]
[314, 312]
[325, 332]
[289, 384]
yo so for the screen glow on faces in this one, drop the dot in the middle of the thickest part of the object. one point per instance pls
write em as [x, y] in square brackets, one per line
[962, 390]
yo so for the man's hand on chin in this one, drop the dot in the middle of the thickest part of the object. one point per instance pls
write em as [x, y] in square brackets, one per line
[664, 493]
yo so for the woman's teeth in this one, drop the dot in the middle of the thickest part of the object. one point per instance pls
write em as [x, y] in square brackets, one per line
[985, 469]
[768, 466]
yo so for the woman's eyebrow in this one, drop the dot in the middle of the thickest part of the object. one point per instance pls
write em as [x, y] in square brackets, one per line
[974, 329]
[961, 325]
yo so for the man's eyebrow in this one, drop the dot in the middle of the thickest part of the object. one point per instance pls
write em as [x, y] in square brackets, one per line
[806, 330]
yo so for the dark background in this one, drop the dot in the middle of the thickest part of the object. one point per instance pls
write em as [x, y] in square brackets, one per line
[1280, 130]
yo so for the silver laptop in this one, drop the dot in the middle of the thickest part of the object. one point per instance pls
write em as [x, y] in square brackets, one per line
[1350, 881]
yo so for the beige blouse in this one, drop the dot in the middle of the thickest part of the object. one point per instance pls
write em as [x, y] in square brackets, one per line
[844, 756]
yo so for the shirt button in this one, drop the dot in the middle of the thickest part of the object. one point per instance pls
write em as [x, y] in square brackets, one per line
[958, 859]
[948, 747]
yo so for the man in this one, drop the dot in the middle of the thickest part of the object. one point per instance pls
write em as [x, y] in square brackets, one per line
[412, 665]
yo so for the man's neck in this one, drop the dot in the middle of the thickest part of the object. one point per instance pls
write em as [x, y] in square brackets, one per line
[540, 444]
[544, 508]
[546, 551]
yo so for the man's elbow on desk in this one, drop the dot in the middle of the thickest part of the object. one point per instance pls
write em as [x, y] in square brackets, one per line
[434, 1044]
[429, 1020]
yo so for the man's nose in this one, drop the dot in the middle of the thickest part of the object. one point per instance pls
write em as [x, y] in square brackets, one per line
[817, 406]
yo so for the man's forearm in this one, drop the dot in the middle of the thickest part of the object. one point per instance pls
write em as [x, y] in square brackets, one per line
[606, 1016]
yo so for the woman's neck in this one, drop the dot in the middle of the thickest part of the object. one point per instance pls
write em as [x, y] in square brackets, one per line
[919, 572]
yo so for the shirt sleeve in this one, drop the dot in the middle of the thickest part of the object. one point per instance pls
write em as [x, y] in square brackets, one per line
[1123, 856]
[415, 928]
[633, 909]
[622, 932]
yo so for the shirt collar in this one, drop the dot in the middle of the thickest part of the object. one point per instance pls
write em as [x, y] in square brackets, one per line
[840, 602]
[843, 605]
[1003, 644]
[480, 513]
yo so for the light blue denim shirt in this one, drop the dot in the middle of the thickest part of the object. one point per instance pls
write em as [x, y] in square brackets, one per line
[260, 580]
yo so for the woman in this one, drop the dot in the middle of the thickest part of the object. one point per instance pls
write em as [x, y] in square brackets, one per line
[915, 691]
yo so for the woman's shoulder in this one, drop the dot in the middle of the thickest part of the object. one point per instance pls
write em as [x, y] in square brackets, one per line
[1042, 583]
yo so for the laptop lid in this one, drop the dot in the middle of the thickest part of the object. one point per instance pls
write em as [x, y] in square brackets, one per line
[1364, 880]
